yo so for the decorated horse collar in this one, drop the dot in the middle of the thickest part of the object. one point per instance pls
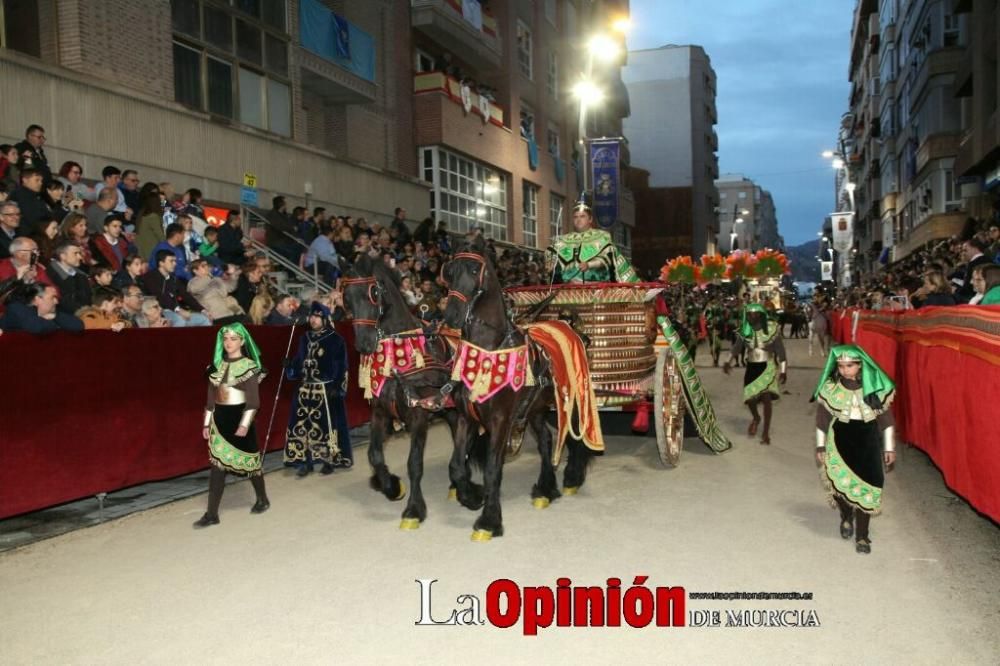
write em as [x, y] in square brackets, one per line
[485, 372]
[397, 354]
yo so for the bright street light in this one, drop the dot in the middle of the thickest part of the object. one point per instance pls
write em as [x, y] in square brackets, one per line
[604, 47]
[827, 154]
[838, 163]
[588, 93]
[622, 24]
[850, 187]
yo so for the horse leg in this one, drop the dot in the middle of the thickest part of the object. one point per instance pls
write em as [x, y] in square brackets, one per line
[490, 522]
[416, 509]
[468, 494]
[382, 480]
[546, 488]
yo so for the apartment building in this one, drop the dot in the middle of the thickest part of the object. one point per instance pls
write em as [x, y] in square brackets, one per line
[671, 131]
[198, 92]
[901, 135]
[509, 160]
[737, 212]
[977, 165]
[358, 106]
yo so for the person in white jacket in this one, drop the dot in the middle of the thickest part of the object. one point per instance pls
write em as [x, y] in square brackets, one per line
[213, 292]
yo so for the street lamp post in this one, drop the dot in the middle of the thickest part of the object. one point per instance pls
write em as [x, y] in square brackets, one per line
[840, 163]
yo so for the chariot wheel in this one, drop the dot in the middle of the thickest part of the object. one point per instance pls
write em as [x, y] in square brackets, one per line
[668, 408]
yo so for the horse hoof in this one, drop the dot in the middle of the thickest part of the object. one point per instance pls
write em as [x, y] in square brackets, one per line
[482, 535]
[571, 490]
[409, 523]
[541, 502]
[402, 492]
[453, 494]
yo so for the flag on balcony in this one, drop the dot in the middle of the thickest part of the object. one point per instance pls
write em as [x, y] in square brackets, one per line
[472, 12]
[342, 31]
[560, 169]
[532, 154]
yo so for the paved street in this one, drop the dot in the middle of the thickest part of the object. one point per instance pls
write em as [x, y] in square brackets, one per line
[326, 576]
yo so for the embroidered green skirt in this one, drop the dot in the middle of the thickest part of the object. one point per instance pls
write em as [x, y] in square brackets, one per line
[761, 378]
[227, 451]
[853, 468]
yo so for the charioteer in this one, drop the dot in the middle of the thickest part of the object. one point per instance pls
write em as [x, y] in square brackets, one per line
[588, 254]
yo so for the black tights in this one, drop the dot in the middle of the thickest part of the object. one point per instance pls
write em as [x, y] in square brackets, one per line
[861, 519]
[766, 401]
[217, 484]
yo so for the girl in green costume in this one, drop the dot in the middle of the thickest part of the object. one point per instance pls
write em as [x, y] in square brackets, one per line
[233, 401]
[760, 338]
[855, 437]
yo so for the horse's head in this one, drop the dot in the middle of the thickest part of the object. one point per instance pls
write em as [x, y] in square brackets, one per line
[364, 300]
[466, 277]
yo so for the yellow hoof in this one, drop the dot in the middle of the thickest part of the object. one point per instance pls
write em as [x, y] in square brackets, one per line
[571, 490]
[453, 494]
[402, 491]
[482, 535]
[541, 502]
[409, 523]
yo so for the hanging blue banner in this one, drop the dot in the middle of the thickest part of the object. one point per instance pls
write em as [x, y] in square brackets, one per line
[605, 165]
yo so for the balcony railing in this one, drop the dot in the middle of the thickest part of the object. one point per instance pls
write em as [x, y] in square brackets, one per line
[439, 82]
[461, 28]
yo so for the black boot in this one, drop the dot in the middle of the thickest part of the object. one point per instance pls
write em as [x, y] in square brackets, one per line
[846, 518]
[326, 469]
[262, 504]
[216, 484]
[304, 470]
[862, 543]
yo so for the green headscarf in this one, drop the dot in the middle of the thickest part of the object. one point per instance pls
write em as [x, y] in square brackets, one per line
[746, 330]
[873, 378]
[253, 352]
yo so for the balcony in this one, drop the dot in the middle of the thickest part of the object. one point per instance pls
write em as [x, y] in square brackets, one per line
[935, 147]
[474, 37]
[340, 72]
[333, 83]
[939, 62]
[438, 82]
[935, 227]
[715, 141]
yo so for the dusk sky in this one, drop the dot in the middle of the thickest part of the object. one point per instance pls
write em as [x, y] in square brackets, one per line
[782, 87]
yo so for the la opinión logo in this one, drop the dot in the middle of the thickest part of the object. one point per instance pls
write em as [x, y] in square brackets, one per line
[507, 603]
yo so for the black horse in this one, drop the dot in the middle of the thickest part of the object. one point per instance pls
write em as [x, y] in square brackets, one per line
[476, 305]
[407, 391]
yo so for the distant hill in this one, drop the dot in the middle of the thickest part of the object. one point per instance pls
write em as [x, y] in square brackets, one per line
[805, 266]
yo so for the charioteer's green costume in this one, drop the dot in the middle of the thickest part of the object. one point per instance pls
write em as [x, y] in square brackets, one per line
[595, 248]
[854, 427]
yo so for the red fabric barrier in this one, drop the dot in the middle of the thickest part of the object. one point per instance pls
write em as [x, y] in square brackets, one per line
[100, 411]
[946, 364]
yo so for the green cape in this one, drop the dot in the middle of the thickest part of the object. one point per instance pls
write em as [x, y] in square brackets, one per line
[252, 351]
[746, 330]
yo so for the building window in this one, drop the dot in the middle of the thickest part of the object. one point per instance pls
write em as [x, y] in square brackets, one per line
[552, 82]
[423, 61]
[556, 206]
[527, 121]
[619, 234]
[530, 214]
[524, 49]
[466, 193]
[723, 195]
[552, 140]
[550, 11]
[742, 195]
[952, 30]
[219, 49]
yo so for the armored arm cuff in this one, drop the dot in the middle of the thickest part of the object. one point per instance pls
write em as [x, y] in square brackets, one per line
[247, 417]
[207, 421]
[820, 439]
[889, 439]
[783, 369]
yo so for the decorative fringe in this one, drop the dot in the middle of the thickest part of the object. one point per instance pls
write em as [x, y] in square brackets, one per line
[418, 358]
[365, 375]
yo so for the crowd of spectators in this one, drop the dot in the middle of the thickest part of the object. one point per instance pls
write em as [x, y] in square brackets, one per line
[961, 270]
[118, 252]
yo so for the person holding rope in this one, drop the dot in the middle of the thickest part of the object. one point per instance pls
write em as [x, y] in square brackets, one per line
[766, 365]
[317, 425]
[855, 438]
[232, 404]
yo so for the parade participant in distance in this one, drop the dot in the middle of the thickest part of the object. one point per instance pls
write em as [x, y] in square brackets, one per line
[233, 401]
[588, 254]
[854, 437]
[766, 365]
[317, 425]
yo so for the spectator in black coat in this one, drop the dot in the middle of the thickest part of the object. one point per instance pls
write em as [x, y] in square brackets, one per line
[974, 251]
[231, 250]
[64, 270]
[180, 307]
[249, 285]
[29, 197]
[31, 151]
[37, 312]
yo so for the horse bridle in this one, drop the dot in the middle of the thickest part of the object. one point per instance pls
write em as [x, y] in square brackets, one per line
[471, 300]
[374, 297]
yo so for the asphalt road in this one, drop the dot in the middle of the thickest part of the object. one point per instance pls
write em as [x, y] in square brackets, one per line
[326, 576]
